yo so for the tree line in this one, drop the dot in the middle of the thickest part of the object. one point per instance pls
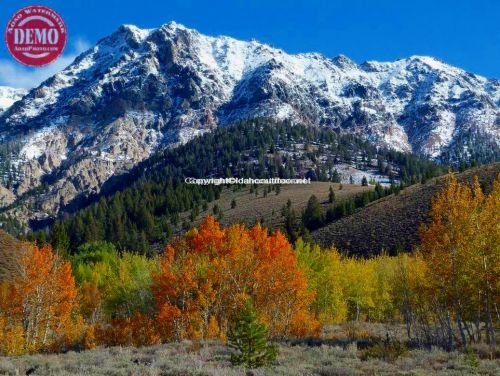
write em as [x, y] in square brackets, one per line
[147, 210]
[446, 292]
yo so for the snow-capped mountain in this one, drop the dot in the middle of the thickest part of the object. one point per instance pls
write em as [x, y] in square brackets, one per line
[140, 90]
[9, 95]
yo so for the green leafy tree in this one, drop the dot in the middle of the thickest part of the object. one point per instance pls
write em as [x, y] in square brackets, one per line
[249, 341]
[123, 281]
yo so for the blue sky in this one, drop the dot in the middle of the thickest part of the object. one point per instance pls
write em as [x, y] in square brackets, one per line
[462, 33]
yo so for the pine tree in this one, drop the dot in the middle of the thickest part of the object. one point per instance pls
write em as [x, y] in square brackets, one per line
[336, 178]
[331, 195]
[249, 341]
[60, 238]
[233, 203]
[220, 215]
[364, 182]
[313, 216]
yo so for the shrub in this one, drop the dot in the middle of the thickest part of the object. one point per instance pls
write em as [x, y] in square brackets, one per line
[471, 359]
[388, 350]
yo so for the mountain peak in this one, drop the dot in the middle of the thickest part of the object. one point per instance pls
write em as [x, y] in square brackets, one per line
[343, 61]
[174, 25]
[434, 64]
[141, 90]
[131, 33]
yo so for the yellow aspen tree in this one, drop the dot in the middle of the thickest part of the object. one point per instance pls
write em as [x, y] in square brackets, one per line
[323, 273]
[460, 249]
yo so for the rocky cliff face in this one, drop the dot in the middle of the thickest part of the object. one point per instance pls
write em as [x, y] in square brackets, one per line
[138, 91]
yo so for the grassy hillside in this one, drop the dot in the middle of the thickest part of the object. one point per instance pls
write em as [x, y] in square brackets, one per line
[9, 252]
[392, 222]
[267, 209]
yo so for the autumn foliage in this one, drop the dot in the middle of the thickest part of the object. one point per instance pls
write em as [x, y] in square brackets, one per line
[461, 247]
[446, 293]
[137, 330]
[38, 308]
[206, 278]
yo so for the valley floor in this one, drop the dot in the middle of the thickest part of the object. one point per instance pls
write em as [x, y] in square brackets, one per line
[332, 357]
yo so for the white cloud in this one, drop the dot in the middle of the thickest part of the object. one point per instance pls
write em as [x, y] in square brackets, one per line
[14, 74]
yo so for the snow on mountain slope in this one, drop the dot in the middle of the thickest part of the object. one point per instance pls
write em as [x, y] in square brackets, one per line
[8, 96]
[137, 91]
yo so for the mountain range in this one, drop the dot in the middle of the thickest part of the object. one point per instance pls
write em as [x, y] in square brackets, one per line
[140, 91]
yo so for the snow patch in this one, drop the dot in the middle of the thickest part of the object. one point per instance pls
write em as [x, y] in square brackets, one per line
[188, 133]
[8, 96]
[34, 148]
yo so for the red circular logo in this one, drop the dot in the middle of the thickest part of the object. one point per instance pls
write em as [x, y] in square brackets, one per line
[36, 35]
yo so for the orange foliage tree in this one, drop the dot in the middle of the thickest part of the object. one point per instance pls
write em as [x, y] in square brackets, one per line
[206, 277]
[38, 306]
[137, 330]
